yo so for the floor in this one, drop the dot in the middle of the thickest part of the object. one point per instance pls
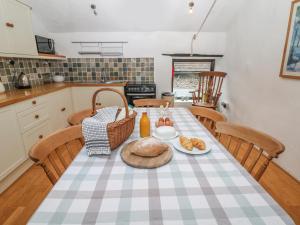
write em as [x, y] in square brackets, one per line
[20, 201]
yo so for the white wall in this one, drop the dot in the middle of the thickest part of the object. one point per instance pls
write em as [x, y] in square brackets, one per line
[38, 26]
[147, 44]
[257, 96]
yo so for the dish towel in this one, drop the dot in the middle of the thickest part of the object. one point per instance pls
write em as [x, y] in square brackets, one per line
[94, 130]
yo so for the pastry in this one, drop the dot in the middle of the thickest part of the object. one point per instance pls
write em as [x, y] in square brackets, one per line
[149, 147]
[198, 143]
[186, 143]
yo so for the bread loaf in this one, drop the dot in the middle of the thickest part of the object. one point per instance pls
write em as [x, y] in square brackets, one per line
[149, 147]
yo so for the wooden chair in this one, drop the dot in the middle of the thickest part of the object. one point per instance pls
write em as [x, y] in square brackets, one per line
[209, 89]
[77, 118]
[150, 102]
[253, 149]
[208, 117]
[55, 152]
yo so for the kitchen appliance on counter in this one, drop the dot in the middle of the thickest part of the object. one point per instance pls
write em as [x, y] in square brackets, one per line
[139, 91]
[22, 81]
[45, 45]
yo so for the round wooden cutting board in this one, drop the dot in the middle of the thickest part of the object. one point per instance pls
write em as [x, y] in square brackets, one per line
[145, 162]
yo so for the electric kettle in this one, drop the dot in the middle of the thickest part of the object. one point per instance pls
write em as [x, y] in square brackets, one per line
[22, 81]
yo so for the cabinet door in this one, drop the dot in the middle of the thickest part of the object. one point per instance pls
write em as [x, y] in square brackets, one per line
[12, 152]
[61, 108]
[5, 46]
[66, 107]
[21, 34]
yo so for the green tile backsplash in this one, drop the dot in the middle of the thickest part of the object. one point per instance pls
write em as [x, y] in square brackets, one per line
[40, 71]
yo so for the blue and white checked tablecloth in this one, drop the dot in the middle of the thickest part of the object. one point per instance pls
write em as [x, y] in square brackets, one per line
[207, 189]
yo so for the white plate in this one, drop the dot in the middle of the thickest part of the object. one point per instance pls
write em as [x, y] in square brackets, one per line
[160, 138]
[195, 151]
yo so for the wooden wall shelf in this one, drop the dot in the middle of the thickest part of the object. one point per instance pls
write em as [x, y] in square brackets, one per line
[194, 55]
[39, 56]
[51, 56]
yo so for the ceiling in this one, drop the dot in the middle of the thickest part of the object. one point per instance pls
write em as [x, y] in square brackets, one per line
[132, 15]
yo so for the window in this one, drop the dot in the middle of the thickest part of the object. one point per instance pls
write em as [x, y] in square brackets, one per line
[185, 76]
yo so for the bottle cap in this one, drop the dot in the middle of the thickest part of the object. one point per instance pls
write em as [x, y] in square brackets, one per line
[144, 113]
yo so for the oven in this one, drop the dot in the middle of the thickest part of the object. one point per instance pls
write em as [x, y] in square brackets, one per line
[135, 91]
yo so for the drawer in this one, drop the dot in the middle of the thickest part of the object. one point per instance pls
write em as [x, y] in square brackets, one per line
[30, 104]
[32, 136]
[33, 117]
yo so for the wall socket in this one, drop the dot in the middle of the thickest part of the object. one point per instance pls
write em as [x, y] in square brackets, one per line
[225, 105]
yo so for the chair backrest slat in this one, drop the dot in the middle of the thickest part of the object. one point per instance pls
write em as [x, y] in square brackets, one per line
[54, 163]
[255, 161]
[237, 148]
[49, 172]
[262, 169]
[247, 153]
[261, 147]
[55, 152]
[229, 142]
[63, 153]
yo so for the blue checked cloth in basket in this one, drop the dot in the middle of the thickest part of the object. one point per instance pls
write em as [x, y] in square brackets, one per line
[94, 130]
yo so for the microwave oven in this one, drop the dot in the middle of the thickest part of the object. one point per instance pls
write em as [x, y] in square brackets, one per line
[45, 45]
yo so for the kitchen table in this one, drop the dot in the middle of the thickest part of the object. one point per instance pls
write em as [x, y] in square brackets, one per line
[204, 189]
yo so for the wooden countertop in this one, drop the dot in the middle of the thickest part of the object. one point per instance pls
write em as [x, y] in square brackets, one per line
[18, 95]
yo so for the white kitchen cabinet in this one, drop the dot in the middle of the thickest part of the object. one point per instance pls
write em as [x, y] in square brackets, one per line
[5, 45]
[23, 124]
[12, 152]
[16, 27]
[82, 97]
[61, 107]
[33, 117]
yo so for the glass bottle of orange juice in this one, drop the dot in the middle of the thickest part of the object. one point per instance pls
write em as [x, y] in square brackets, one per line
[144, 125]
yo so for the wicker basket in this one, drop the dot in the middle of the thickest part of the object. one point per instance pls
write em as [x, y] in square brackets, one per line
[118, 131]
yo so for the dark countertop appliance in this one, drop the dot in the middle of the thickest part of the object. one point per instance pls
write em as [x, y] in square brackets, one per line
[139, 91]
[45, 45]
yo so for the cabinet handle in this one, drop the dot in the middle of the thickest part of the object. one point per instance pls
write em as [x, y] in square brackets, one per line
[41, 136]
[11, 25]
[33, 102]
[98, 103]
[63, 109]
[36, 116]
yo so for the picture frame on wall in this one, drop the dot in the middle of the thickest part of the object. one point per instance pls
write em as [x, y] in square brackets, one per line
[290, 66]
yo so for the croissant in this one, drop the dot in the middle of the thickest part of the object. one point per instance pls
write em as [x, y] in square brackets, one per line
[198, 143]
[186, 143]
